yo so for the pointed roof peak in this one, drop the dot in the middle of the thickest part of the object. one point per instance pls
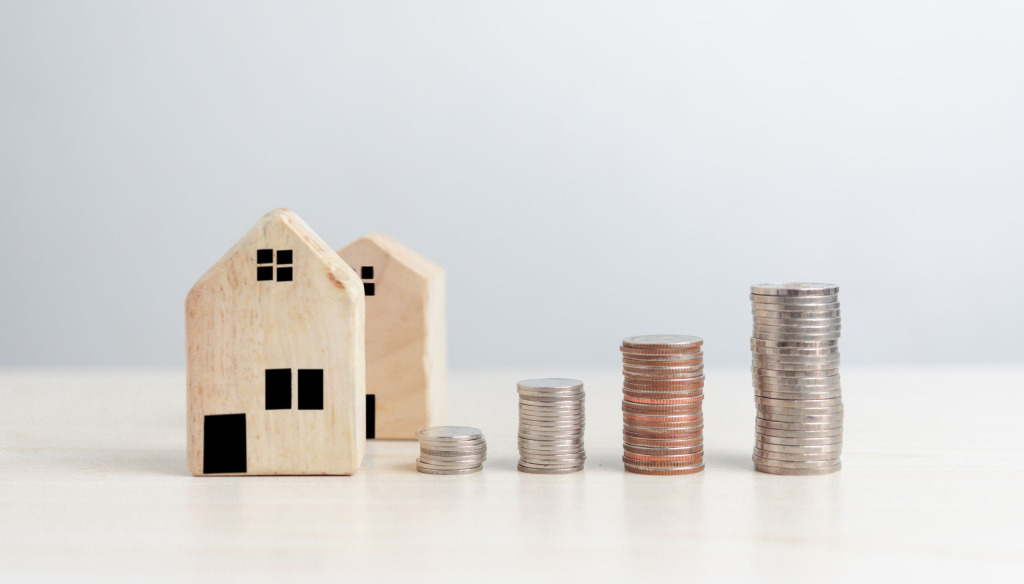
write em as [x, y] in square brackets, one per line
[399, 252]
[301, 229]
[279, 214]
[340, 272]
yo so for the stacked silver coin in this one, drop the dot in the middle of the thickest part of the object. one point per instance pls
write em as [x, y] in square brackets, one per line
[448, 450]
[551, 422]
[662, 419]
[795, 348]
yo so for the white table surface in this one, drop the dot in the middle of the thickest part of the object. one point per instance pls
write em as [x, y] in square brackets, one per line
[94, 487]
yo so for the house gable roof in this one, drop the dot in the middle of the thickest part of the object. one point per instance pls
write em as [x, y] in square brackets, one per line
[411, 260]
[337, 270]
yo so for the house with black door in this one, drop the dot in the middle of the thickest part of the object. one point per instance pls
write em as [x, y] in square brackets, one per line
[275, 337]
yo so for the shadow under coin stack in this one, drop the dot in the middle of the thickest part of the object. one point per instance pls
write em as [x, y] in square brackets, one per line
[795, 369]
[551, 421]
[662, 420]
[448, 450]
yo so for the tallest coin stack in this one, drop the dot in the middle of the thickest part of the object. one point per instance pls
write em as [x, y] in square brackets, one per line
[795, 370]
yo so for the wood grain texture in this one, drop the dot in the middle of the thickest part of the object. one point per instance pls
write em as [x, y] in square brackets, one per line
[406, 355]
[238, 327]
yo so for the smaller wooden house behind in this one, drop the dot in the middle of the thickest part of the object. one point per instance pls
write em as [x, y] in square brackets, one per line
[406, 355]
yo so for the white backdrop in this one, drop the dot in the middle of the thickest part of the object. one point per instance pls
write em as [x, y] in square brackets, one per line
[584, 170]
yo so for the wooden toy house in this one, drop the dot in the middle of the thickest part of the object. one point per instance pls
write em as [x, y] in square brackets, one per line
[275, 357]
[406, 355]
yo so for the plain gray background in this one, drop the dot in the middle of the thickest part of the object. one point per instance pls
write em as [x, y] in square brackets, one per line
[584, 171]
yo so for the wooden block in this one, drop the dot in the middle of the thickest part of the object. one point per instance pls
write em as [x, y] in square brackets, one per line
[406, 353]
[275, 356]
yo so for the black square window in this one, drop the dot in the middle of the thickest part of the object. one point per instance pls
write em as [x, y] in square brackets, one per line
[264, 256]
[279, 389]
[284, 274]
[369, 288]
[264, 272]
[367, 272]
[284, 256]
[311, 389]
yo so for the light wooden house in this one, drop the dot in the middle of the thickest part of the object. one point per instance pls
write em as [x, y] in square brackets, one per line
[406, 355]
[275, 356]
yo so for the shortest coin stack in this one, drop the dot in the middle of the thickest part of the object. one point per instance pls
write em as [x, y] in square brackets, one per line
[551, 421]
[447, 450]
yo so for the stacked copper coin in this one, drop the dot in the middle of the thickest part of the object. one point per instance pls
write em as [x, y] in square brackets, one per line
[795, 370]
[551, 422]
[662, 420]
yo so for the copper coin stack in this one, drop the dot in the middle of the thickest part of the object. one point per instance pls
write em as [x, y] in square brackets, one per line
[795, 347]
[662, 420]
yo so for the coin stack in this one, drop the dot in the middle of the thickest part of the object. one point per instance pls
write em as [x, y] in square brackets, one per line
[551, 421]
[662, 420]
[448, 450]
[795, 370]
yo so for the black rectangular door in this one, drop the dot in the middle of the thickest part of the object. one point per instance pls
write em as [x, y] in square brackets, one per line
[224, 444]
[371, 415]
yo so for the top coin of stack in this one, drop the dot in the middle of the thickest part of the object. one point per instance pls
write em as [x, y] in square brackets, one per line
[663, 387]
[795, 350]
[448, 450]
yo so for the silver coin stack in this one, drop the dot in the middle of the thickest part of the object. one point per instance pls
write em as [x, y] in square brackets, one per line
[551, 421]
[662, 391]
[795, 369]
[449, 450]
